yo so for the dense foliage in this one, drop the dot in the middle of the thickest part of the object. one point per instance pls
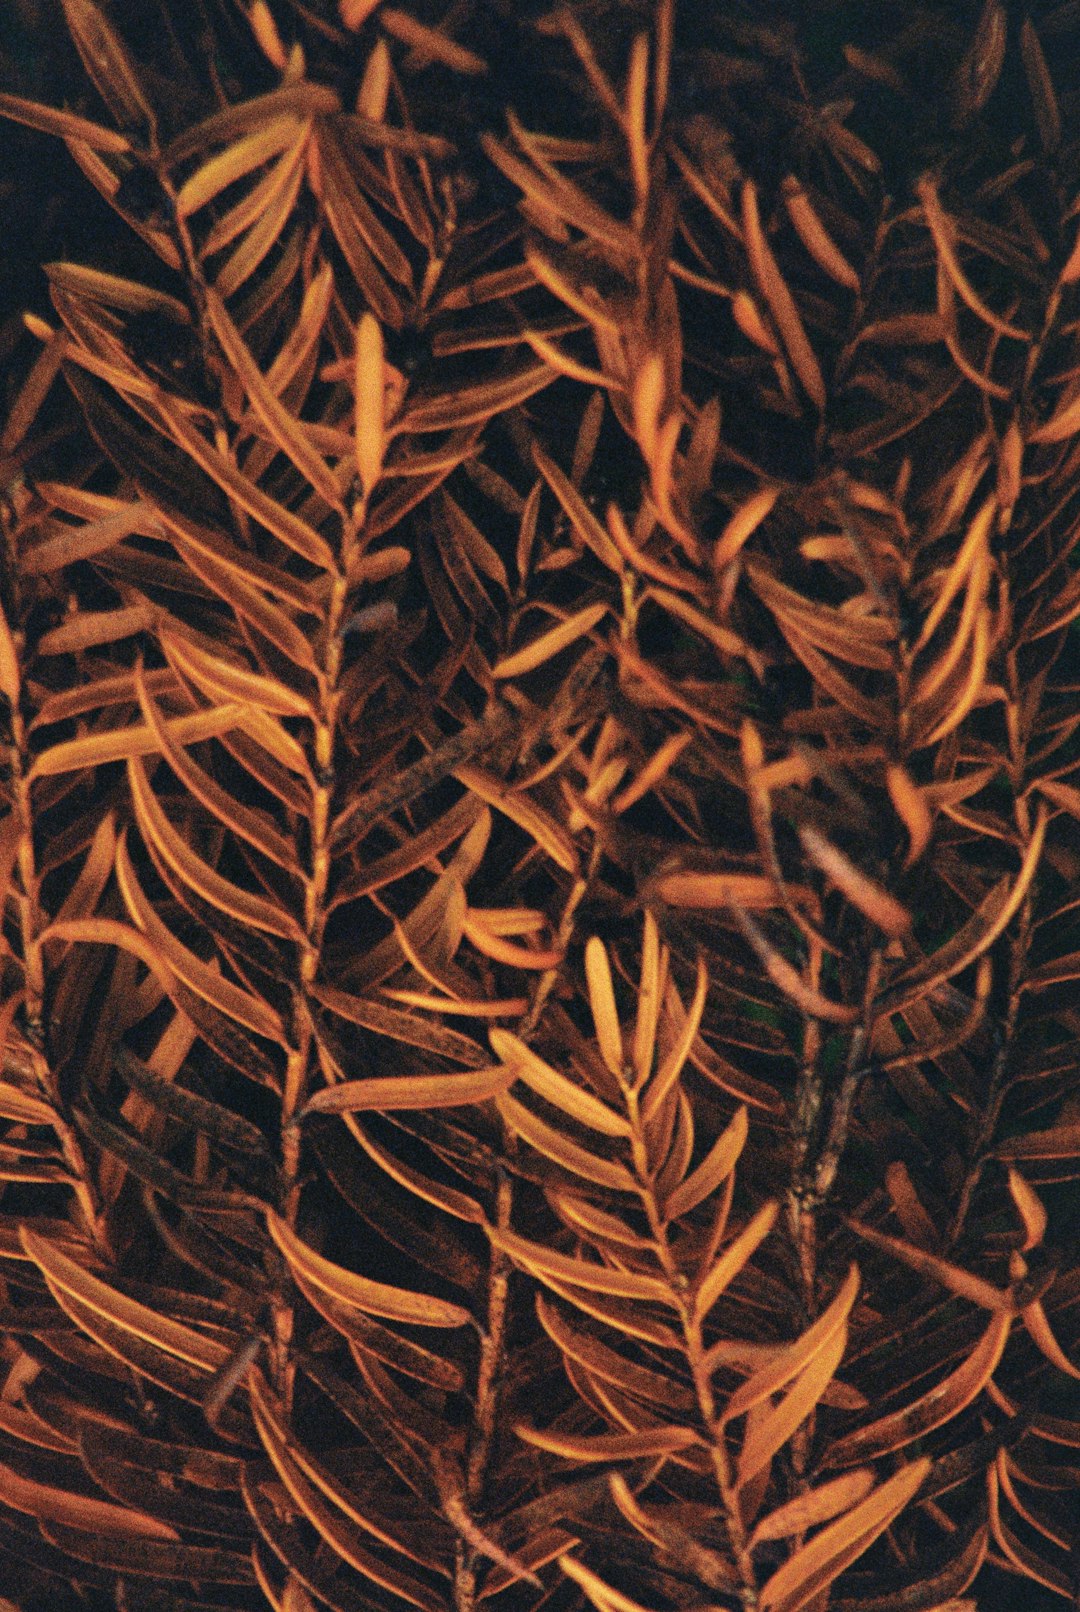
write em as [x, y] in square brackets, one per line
[539, 841]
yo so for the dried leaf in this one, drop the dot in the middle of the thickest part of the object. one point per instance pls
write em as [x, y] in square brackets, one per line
[370, 402]
[791, 1361]
[815, 1506]
[550, 643]
[863, 892]
[524, 1064]
[140, 1320]
[544, 1263]
[770, 282]
[815, 237]
[349, 1287]
[734, 1257]
[204, 880]
[611, 1446]
[932, 1409]
[389, 1092]
[714, 1168]
[820, 1562]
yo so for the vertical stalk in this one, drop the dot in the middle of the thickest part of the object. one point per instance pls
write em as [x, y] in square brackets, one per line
[488, 1386]
[32, 922]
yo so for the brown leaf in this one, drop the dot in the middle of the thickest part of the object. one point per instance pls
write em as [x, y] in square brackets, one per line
[389, 1092]
[815, 1506]
[344, 1536]
[138, 1319]
[65, 124]
[550, 643]
[819, 1563]
[555, 1088]
[204, 880]
[544, 1263]
[932, 1409]
[734, 1257]
[714, 1168]
[237, 160]
[791, 1361]
[611, 1446]
[770, 282]
[232, 1000]
[349, 1287]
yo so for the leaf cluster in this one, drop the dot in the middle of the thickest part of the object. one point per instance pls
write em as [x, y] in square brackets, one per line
[538, 831]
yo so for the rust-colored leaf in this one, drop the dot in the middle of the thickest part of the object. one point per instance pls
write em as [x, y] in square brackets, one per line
[554, 1087]
[550, 643]
[932, 1409]
[862, 891]
[231, 1000]
[771, 284]
[818, 1563]
[790, 1362]
[65, 1274]
[197, 873]
[735, 1256]
[383, 1094]
[611, 1446]
[815, 1506]
[714, 1168]
[545, 1263]
[374, 1298]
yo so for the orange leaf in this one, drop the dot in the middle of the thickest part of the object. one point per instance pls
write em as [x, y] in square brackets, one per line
[392, 1092]
[941, 229]
[373, 1298]
[910, 804]
[549, 643]
[370, 402]
[734, 1257]
[789, 1362]
[974, 937]
[815, 237]
[295, 533]
[235, 161]
[345, 1537]
[554, 1087]
[223, 680]
[602, 1003]
[715, 1167]
[817, 1505]
[183, 1342]
[600, 1594]
[953, 1277]
[821, 1561]
[65, 124]
[611, 1446]
[97, 749]
[537, 823]
[1063, 1142]
[236, 1003]
[1039, 1329]
[544, 1263]
[932, 1409]
[770, 1432]
[863, 892]
[1029, 1207]
[675, 1059]
[100, 1517]
[284, 429]
[197, 874]
[770, 282]
[743, 524]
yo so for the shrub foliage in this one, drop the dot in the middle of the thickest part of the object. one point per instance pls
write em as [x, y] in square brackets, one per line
[539, 840]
